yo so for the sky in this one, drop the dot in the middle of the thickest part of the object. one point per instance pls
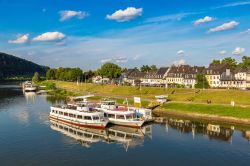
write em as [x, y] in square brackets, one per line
[88, 33]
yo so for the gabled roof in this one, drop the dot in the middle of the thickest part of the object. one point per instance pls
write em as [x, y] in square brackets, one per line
[184, 70]
[159, 74]
[216, 69]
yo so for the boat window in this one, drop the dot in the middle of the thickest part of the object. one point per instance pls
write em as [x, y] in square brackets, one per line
[95, 118]
[120, 117]
[66, 114]
[88, 135]
[71, 131]
[105, 115]
[61, 113]
[56, 112]
[120, 135]
[79, 116]
[111, 115]
[79, 133]
[112, 133]
[87, 118]
[129, 116]
[71, 115]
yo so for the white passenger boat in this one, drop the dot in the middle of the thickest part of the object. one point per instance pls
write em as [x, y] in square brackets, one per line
[79, 115]
[121, 115]
[29, 86]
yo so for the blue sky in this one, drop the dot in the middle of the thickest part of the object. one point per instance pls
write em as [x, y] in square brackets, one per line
[87, 33]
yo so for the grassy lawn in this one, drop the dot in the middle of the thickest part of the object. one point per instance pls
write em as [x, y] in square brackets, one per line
[181, 98]
[217, 96]
[237, 112]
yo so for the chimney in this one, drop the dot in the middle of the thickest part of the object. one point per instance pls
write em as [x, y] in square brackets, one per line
[227, 72]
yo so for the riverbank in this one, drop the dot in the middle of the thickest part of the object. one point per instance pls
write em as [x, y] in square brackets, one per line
[183, 102]
[220, 113]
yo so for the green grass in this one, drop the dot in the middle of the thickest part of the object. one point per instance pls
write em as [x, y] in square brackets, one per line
[217, 96]
[237, 112]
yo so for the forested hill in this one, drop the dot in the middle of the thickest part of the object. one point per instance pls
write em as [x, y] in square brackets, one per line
[11, 66]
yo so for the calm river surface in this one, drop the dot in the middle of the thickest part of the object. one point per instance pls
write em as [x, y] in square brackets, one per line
[28, 137]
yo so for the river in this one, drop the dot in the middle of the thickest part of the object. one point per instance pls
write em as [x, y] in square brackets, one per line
[28, 137]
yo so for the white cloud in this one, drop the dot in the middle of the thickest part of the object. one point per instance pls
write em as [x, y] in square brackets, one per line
[180, 62]
[121, 60]
[126, 14]
[222, 52]
[181, 52]
[248, 31]
[203, 20]
[171, 17]
[234, 4]
[238, 51]
[106, 60]
[50, 36]
[68, 14]
[136, 57]
[225, 26]
[20, 39]
[115, 60]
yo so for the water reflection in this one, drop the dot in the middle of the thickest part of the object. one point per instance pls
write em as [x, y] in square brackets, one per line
[213, 131]
[127, 137]
[29, 96]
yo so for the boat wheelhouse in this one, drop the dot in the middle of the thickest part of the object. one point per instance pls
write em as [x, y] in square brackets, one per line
[79, 115]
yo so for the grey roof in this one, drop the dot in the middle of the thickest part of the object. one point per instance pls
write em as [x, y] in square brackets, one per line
[216, 69]
[185, 71]
[159, 74]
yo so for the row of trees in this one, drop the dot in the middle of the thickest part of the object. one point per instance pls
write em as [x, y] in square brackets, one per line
[245, 62]
[108, 70]
[64, 74]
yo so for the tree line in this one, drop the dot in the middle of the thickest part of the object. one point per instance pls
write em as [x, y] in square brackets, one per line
[232, 63]
[107, 70]
[113, 71]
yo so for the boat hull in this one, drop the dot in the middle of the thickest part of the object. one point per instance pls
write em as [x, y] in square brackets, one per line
[134, 124]
[90, 125]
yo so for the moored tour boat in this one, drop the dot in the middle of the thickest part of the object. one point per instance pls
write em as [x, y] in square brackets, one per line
[29, 86]
[121, 115]
[79, 115]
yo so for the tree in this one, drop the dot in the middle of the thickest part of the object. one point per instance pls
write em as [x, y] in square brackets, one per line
[109, 70]
[88, 75]
[51, 74]
[36, 77]
[153, 67]
[215, 62]
[230, 61]
[145, 68]
[245, 62]
[201, 81]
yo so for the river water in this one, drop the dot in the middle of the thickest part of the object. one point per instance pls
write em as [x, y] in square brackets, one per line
[28, 137]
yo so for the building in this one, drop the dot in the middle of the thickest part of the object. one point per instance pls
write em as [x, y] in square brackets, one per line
[155, 78]
[213, 74]
[132, 77]
[100, 80]
[183, 75]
